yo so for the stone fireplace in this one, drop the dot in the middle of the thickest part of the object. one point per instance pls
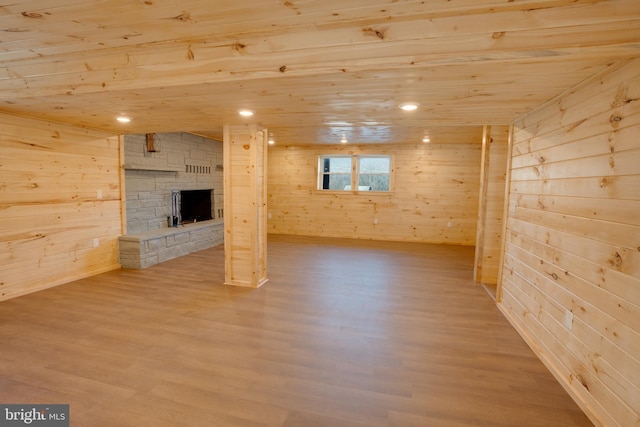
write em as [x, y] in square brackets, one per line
[172, 195]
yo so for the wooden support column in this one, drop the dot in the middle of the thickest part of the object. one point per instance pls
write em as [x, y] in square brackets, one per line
[491, 203]
[245, 210]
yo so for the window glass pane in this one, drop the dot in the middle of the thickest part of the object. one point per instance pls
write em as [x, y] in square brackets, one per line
[374, 173]
[374, 165]
[371, 182]
[338, 165]
[339, 182]
[336, 173]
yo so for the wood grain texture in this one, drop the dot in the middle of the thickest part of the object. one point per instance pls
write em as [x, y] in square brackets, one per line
[347, 334]
[434, 195]
[571, 278]
[60, 204]
[245, 190]
[311, 69]
[495, 143]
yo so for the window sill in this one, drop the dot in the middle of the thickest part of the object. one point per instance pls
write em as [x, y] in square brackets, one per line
[354, 192]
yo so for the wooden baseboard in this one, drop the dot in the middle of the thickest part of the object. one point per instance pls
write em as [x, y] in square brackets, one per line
[53, 284]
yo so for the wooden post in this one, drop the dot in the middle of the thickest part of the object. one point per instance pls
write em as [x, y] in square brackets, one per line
[123, 189]
[482, 203]
[491, 203]
[245, 199]
[505, 215]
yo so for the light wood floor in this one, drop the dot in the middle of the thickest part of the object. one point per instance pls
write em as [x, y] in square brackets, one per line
[344, 334]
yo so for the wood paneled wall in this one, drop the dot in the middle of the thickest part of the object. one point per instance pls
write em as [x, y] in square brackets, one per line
[60, 204]
[571, 278]
[434, 196]
[495, 144]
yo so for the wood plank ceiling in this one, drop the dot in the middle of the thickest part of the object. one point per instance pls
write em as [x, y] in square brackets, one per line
[312, 70]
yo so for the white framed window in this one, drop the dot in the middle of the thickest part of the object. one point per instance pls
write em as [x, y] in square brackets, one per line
[357, 172]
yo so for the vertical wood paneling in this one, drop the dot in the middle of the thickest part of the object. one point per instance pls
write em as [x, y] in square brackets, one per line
[261, 205]
[123, 193]
[571, 275]
[60, 204]
[244, 204]
[491, 204]
[434, 195]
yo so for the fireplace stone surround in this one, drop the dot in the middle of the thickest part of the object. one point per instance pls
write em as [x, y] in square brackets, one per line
[180, 161]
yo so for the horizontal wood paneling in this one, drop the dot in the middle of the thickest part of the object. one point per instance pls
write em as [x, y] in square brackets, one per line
[434, 186]
[571, 278]
[60, 204]
[312, 70]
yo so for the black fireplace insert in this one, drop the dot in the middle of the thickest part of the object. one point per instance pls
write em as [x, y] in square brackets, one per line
[196, 205]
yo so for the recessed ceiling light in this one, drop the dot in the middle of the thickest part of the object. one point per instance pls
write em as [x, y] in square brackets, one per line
[271, 141]
[409, 106]
[426, 139]
[343, 140]
[246, 113]
[123, 119]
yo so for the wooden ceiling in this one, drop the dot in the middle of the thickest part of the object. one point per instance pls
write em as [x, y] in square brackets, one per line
[312, 70]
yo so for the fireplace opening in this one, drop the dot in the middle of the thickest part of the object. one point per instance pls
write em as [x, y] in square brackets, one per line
[195, 205]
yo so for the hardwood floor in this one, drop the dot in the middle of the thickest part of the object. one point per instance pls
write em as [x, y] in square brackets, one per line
[344, 334]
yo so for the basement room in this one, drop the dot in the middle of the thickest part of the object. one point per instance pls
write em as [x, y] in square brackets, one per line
[314, 213]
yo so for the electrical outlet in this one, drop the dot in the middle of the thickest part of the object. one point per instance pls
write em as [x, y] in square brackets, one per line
[96, 243]
[449, 224]
[568, 320]
[512, 207]
[375, 221]
[99, 194]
